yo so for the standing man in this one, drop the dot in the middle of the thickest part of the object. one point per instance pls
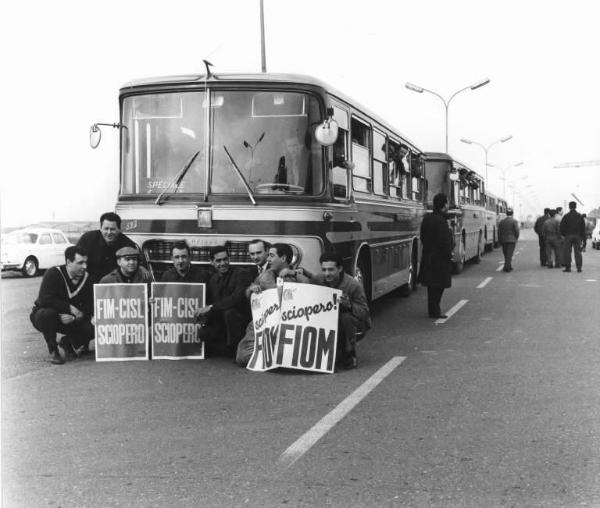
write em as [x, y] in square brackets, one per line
[182, 269]
[103, 244]
[508, 234]
[541, 240]
[572, 227]
[436, 263]
[128, 269]
[65, 305]
[354, 317]
[228, 312]
[258, 250]
[589, 228]
[278, 261]
[551, 232]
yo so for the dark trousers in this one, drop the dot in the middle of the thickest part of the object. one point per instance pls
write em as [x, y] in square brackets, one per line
[46, 320]
[508, 248]
[434, 297]
[223, 332]
[542, 244]
[572, 242]
[349, 326]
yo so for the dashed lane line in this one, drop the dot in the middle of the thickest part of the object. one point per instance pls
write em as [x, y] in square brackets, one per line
[500, 267]
[485, 283]
[325, 424]
[451, 312]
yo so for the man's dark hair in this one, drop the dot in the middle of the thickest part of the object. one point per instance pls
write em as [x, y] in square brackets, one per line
[283, 249]
[546, 211]
[558, 209]
[332, 256]
[266, 244]
[72, 250]
[439, 201]
[552, 212]
[584, 215]
[181, 245]
[111, 217]
[572, 205]
[216, 249]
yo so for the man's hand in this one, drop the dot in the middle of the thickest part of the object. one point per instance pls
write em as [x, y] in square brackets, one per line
[254, 288]
[202, 311]
[66, 319]
[345, 302]
[76, 312]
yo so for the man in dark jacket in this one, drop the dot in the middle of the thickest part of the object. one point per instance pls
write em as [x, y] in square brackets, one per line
[436, 262]
[183, 270]
[572, 227]
[228, 312]
[508, 234]
[65, 305]
[551, 232]
[541, 240]
[102, 245]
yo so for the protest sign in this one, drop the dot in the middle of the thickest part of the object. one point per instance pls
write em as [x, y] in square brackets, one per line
[174, 328]
[307, 337]
[265, 323]
[120, 311]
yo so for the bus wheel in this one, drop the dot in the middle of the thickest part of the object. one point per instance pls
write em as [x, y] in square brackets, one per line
[480, 247]
[362, 276]
[405, 290]
[459, 264]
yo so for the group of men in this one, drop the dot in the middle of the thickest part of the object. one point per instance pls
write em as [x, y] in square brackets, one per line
[65, 301]
[560, 235]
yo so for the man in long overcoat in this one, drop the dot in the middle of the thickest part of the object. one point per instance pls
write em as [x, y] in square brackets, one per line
[436, 262]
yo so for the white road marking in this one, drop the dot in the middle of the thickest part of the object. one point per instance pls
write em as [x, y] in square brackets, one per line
[451, 312]
[325, 424]
[591, 280]
[500, 267]
[485, 283]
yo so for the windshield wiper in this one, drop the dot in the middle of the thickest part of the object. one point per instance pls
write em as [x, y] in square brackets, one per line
[239, 173]
[177, 180]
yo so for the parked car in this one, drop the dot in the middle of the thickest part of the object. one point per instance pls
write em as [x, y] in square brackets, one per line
[33, 249]
[596, 236]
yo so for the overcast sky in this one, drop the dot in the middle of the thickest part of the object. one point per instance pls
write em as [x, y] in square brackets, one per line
[64, 62]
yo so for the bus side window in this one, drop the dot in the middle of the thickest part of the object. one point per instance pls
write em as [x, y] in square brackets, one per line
[340, 172]
[396, 169]
[418, 166]
[361, 155]
[380, 168]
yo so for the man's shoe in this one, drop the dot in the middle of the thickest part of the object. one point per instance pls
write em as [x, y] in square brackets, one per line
[84, 351]
[567, 270]
[70, 353]
[350, 361]
[550, 265]
[579, 270]
[55, 358]
[439, 316]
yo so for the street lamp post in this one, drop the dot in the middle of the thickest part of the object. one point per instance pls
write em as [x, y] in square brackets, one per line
[420, 89]
[503, 171]
[486, 149]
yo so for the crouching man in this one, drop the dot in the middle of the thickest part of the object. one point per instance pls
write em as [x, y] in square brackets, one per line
[354, 317]
[128, 269]
[65, 305]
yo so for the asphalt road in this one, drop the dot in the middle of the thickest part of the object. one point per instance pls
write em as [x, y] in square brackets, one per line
[497, 406]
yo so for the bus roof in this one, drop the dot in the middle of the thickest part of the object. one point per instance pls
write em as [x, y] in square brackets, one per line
[446, 157]
[301, 79]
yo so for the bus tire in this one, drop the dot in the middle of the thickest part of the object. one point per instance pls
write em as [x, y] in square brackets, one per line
[480, 247]
[406, 289]
[459, 265]
[362, 274]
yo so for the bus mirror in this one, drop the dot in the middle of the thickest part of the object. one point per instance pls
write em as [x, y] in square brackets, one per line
[454, 176]
[95, 136]
[326, 133]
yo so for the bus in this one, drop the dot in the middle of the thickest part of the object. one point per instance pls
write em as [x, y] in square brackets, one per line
[223, 159]
[491, 221]
[466, 196]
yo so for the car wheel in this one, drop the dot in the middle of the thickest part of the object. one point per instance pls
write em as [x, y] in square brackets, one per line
[30, 267]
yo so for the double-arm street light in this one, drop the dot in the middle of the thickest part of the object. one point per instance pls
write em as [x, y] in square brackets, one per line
[420, 89]
[503, 171]
[486, 149]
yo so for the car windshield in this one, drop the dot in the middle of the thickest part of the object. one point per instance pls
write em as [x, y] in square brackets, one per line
[267, 135]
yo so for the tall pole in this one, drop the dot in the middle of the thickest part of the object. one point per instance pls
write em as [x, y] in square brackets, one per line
[419, 89]
[263, 59]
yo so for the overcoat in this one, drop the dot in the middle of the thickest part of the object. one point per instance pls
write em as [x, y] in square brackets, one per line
[436, 261]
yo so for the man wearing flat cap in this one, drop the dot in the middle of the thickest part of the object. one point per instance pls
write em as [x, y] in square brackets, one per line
[508, 234]
[128, 269]
[572, 227]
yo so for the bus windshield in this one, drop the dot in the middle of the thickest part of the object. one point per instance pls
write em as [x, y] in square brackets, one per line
[268, 135]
